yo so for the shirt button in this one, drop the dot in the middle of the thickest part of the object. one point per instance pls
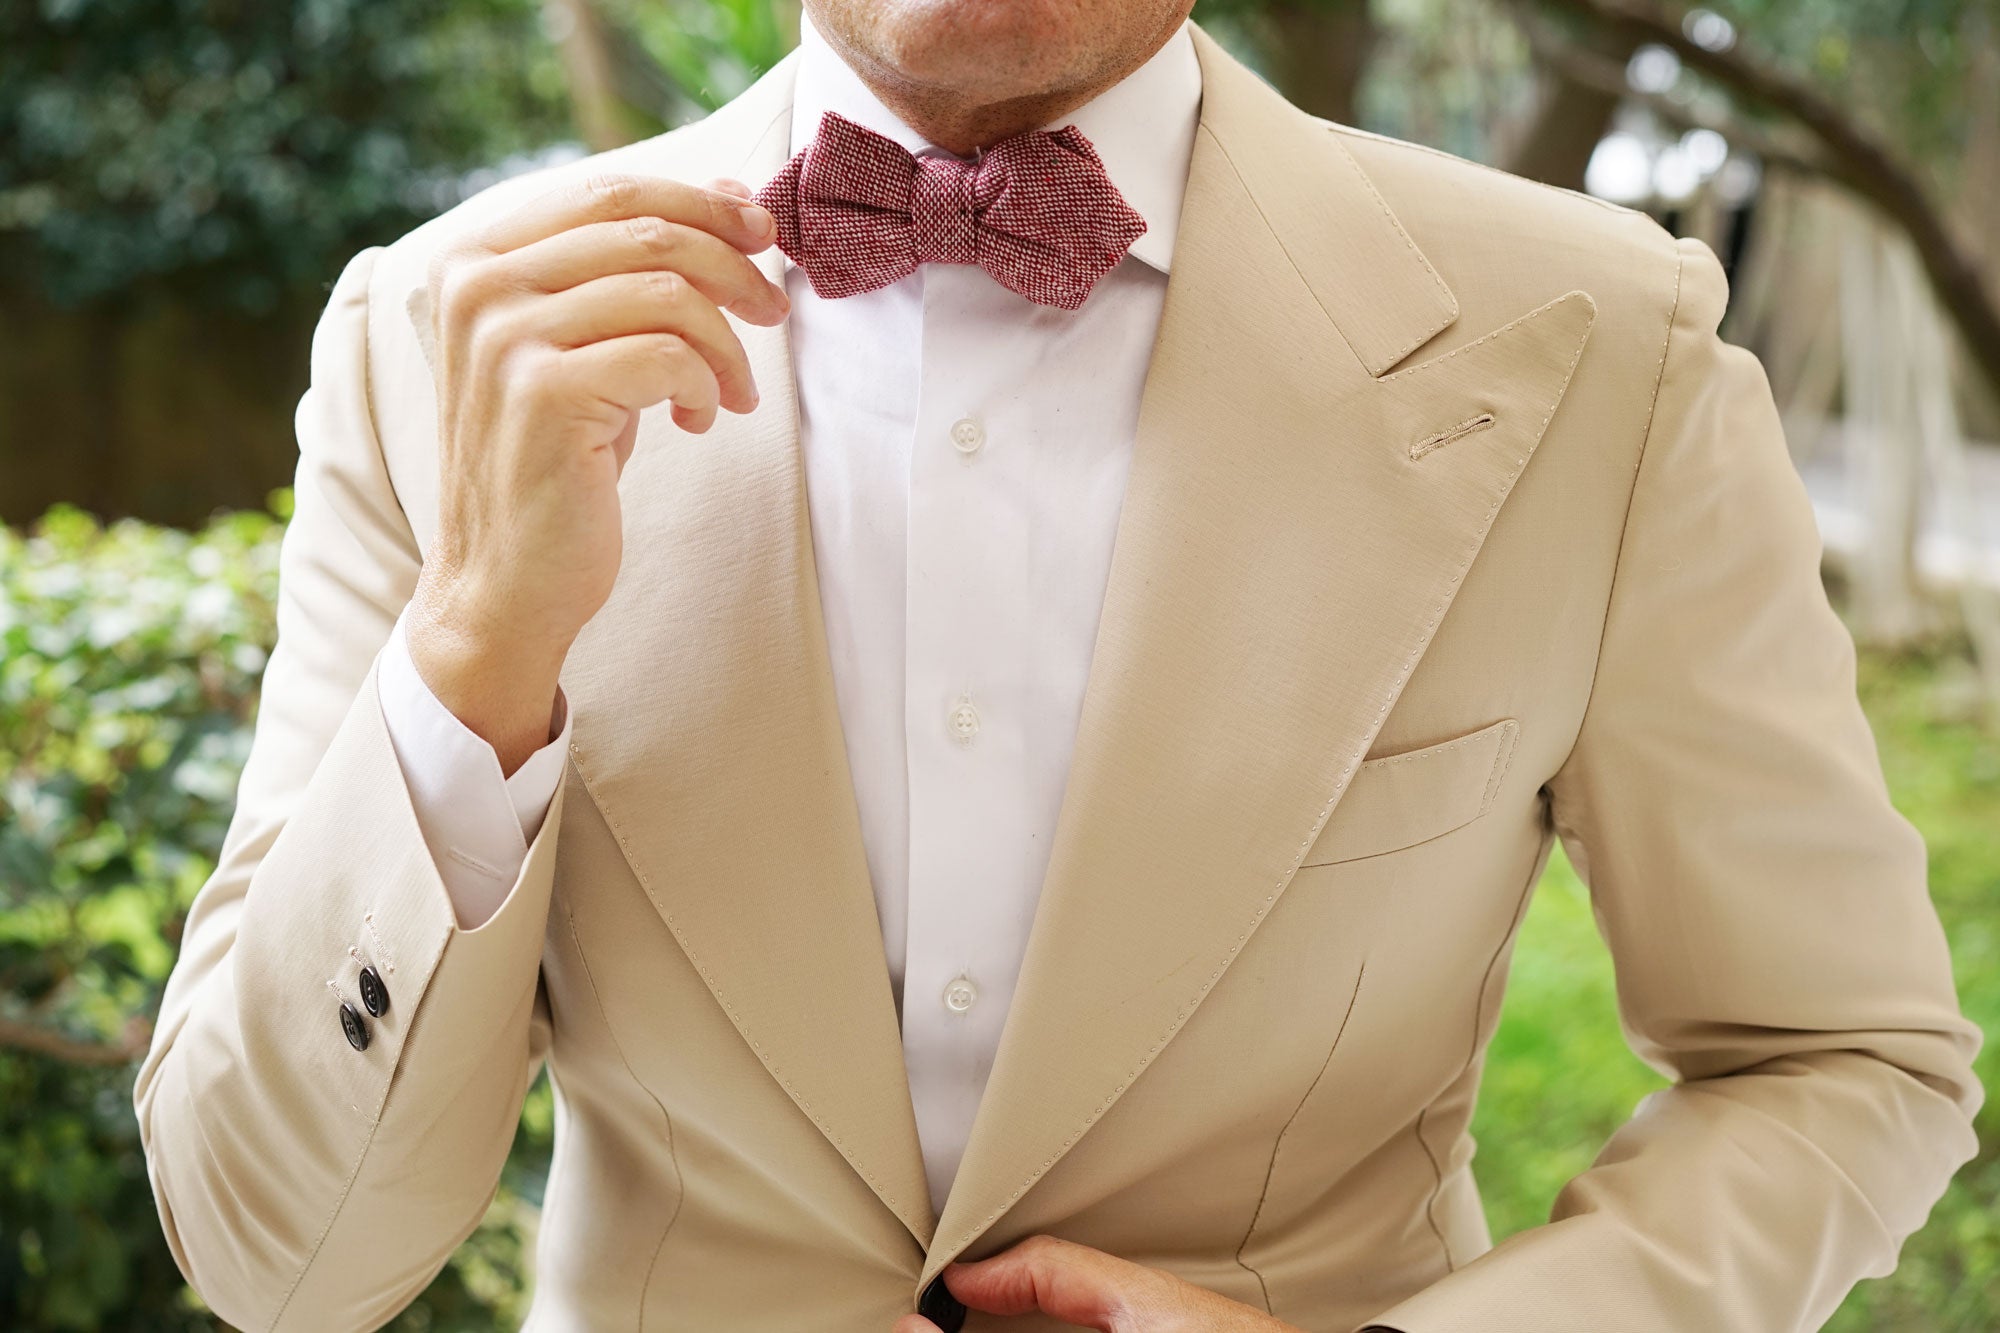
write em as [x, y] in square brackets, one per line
[964, 723]
[959, 995]
[967, 435]
[354, 1026]
[374, 994]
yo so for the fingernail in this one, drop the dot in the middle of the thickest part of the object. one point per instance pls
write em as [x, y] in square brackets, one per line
[758, 219]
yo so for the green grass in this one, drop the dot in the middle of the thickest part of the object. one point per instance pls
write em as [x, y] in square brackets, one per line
[1560, 1014]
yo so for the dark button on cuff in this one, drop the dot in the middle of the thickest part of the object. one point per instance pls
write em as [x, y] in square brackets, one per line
[374, 994]
[938, 1305]
[354, 1025]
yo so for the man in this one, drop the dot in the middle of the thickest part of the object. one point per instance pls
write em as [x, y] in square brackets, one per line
[1023, 744]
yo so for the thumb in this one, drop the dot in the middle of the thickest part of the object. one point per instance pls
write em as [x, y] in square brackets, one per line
[1043, 1274]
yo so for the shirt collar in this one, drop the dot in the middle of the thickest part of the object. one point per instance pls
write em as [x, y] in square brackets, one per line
[1142, 126]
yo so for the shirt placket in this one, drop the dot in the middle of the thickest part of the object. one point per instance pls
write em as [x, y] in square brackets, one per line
[967, 632]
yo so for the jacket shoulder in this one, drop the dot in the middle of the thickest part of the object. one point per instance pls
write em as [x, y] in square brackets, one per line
[1505, 243]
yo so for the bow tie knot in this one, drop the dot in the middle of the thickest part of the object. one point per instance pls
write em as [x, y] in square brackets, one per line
[857, 211]
[944, 216]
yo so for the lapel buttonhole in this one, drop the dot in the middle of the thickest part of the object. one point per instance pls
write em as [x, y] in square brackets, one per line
[1444, 437]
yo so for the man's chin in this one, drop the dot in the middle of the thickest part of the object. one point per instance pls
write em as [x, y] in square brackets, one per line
[981, 51]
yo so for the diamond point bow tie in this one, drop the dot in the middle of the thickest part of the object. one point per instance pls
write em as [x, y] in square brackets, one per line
[857, 211]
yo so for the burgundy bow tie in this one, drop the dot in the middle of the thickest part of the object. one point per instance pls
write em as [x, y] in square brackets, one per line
[857, 211]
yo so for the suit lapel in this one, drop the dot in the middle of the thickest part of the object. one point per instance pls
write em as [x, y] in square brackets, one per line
[1298, 517]
[707, 734]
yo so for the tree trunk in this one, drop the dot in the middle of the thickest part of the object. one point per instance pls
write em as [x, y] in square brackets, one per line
[1318, 50]
[1922, 330]
[1570, 119]
[592, 71]
[1885, 458]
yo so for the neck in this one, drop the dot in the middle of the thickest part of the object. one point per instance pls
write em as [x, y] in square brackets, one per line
[961, 121]
[960, 128]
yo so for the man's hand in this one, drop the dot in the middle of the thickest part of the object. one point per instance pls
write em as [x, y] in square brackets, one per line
[555, 327]
[1092, 1289]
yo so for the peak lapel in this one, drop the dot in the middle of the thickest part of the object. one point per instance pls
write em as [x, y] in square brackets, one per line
[1296, 523]
[706, 732]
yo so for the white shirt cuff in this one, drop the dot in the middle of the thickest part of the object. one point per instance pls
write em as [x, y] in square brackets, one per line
[476, 823]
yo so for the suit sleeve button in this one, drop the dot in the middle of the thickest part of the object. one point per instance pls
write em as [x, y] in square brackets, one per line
[374, 994]
[354, 1025]
[938, 1305]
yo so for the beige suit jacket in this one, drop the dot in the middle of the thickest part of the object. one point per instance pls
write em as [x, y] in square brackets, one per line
[1452, 528]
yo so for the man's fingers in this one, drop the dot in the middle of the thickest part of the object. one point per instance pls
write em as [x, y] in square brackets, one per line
[730, 186]
[915, 1323]
[652, 301]
[612, 198]
[717, 269]
[1042, 1274]
[635, 372]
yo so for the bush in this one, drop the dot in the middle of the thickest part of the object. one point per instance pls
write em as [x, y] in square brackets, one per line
[131, 662]
[128, 685]
[232, 152]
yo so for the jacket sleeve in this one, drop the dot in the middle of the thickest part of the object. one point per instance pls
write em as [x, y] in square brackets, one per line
[301, 1182]
[1766, 907]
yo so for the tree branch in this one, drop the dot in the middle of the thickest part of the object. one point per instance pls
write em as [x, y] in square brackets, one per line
[1855, 156]
[1594, 71]
[48, 1042]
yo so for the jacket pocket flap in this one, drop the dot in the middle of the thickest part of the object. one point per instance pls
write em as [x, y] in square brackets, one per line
[1400, 800]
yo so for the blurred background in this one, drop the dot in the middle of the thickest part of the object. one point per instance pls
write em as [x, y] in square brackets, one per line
[180, 181]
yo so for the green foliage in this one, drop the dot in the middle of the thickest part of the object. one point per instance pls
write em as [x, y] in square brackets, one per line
[1906, 67]
[130, 665]
[232, 149]
[128, 683]
[132, 655]
[710, 49]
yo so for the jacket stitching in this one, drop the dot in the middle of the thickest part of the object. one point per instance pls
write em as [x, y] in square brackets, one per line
[1502, 759]
[1504, 329]
[1450, 298]
[1478, 1013]
[1502, 762]
[673, 1154]
[1356, 132]
[1625, 524]
[367, 1142]
[1431, 751]
[381, 949]
[1278, 1144]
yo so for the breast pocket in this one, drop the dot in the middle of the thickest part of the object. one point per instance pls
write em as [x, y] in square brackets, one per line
[1400, 800]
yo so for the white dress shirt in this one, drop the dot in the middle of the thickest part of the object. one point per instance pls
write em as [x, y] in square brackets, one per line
[965, 455]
